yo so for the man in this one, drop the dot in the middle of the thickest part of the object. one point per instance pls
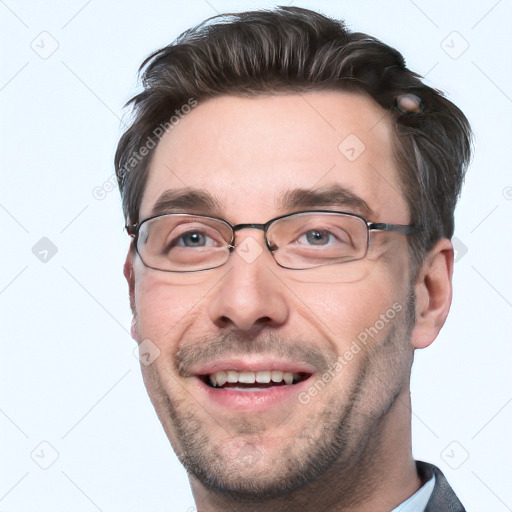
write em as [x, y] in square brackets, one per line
[290, 187]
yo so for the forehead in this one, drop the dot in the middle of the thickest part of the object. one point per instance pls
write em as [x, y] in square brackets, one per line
[249, 154]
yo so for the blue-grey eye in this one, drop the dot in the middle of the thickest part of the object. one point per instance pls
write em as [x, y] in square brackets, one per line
[318, 237]
[192, 239]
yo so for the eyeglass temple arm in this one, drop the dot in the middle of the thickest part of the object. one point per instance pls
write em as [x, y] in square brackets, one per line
[408, 229]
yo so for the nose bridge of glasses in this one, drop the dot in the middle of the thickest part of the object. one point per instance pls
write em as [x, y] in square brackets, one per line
[260, 227]
[238, 227]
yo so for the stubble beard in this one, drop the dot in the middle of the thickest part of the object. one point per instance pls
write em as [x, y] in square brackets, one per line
[340, 439]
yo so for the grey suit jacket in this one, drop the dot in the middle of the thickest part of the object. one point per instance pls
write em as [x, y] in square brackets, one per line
[443, 499]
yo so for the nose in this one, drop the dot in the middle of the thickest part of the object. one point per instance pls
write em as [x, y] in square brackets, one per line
[251, 296]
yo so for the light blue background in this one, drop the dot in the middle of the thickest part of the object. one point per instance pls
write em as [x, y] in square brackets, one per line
[68, 373]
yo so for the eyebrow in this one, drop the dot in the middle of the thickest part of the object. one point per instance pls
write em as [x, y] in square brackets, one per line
[199, 201]
[186, 200]
[329, 196]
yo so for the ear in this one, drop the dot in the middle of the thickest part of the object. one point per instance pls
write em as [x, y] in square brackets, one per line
[129, 274]
[433, 293]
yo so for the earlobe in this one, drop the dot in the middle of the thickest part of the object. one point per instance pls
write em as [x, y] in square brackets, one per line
[433, 293]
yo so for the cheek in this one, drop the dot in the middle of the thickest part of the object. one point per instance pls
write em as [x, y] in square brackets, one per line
[345, 313]
[166, 306]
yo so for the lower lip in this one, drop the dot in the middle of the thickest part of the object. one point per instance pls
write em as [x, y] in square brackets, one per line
[254, 401]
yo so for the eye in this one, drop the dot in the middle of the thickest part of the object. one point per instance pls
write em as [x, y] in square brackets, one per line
[317, 237]
[185, 237]
[194, 239]
[322, 237]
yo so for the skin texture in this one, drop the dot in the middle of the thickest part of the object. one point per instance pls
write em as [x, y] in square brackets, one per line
[348, 448]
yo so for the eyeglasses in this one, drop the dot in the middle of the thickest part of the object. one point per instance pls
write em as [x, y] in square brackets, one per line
[298, 241]
[180, 242]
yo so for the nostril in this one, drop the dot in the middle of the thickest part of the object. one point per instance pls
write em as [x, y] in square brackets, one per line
[263, 320]
[224, 320]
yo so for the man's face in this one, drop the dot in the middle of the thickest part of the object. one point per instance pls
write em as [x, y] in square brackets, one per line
[344, 333]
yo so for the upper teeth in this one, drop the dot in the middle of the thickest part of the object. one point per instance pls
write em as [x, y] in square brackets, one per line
[262, 377]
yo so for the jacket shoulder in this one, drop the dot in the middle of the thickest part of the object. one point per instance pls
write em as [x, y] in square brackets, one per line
[443, 498]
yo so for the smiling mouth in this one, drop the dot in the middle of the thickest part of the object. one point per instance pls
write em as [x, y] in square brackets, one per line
[252, 381]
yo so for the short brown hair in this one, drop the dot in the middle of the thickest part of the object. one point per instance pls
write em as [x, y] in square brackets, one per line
[295, 50]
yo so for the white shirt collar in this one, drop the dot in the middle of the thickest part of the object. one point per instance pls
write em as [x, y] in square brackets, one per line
[418, 501]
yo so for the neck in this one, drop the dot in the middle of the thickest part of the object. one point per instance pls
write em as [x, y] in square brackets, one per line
[385, 476]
